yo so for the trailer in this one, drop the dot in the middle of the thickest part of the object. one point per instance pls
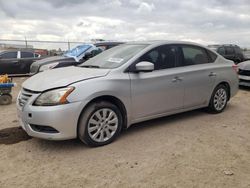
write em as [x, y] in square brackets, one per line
[6, 86]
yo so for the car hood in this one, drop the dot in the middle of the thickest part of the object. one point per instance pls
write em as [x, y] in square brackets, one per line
[62, 77]
[244, 65]
[52, 60]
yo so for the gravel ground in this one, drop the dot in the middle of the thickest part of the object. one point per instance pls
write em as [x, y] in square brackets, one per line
[192, 149]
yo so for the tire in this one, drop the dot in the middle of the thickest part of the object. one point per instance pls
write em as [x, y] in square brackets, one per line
[99, 119]
[219, 99]
[5, 99]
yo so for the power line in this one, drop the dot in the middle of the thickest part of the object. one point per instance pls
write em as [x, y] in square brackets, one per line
[40, 41]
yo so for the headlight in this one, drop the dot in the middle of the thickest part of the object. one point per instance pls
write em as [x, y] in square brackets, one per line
[48, 66]
[54, 97]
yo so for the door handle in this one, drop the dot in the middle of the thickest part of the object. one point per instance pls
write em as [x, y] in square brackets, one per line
[180, 78]
[177, 78]
[174, 80]
[212, 74]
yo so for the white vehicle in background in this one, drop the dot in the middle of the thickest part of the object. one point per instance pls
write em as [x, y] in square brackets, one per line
[244, 73]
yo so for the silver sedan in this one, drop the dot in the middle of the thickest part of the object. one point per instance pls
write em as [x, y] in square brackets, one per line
[127, 84]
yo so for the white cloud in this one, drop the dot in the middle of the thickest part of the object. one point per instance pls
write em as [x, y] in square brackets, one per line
[145, 8]
[215, 21]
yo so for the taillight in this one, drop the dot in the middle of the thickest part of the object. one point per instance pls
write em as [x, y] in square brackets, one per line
[235, 68]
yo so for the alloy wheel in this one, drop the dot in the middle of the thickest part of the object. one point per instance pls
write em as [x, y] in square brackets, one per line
[102, 125]
[220, 99]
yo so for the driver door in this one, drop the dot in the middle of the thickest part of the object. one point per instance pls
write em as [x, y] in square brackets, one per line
[160, 91]
[9, 64]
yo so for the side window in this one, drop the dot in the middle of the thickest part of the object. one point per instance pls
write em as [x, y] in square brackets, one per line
[221, 51]
[229, 51]
[9, 55]
[27, 54]
[96, 51]
[103, 47]
[212, 56]
[162, 57]
[194, 55]
[36, 55]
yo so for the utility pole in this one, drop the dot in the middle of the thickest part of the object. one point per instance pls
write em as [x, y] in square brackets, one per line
[26, 43]
[68, 45]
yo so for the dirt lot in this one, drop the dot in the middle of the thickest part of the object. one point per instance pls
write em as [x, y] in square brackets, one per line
[193, 149]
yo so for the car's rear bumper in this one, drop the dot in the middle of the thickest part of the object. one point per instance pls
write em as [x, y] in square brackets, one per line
[244, 80]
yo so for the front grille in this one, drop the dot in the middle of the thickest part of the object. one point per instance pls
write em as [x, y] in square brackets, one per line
[245, 81]
[25, 96]
[244, 72]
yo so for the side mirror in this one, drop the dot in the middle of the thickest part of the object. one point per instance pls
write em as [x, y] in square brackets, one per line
[88, 55]
[144, 66]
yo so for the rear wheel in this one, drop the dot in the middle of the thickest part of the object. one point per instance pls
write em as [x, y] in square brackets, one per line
[5, 99]
[100, 124]
[219, 98]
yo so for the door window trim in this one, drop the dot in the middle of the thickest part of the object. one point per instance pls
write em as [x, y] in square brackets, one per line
[131, 67]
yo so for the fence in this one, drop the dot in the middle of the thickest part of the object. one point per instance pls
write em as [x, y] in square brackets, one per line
[37, 44]
[52, 45]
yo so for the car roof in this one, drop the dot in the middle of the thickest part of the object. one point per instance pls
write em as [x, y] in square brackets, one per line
[162, 42]
[15, 50]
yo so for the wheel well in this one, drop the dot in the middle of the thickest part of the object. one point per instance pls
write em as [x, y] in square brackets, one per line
[228, 88]
[114, 101]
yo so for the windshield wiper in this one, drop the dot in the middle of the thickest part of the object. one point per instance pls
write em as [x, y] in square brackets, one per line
[90, 66]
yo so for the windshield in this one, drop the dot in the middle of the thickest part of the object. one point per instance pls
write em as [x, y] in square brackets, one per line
[77, 51]
[114, 57]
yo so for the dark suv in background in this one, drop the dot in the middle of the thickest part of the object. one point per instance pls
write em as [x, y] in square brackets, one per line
[230, 51]
[17, 62]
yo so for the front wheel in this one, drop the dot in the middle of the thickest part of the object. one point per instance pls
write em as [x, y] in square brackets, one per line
[219, 98]
[100, 124]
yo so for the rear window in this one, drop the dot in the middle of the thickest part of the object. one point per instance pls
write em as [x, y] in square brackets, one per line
[238, 50]
[27, 55]
[9, 55]
[221, 51]
[229, 51]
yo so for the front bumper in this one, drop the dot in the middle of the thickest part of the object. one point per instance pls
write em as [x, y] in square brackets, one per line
[63, 118]
[244, 80]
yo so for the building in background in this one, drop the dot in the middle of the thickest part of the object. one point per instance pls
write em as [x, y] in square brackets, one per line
[4, 46]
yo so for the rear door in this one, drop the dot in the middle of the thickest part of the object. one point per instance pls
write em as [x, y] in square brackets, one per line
[9, 63]
[199, 75]
[27, 58]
